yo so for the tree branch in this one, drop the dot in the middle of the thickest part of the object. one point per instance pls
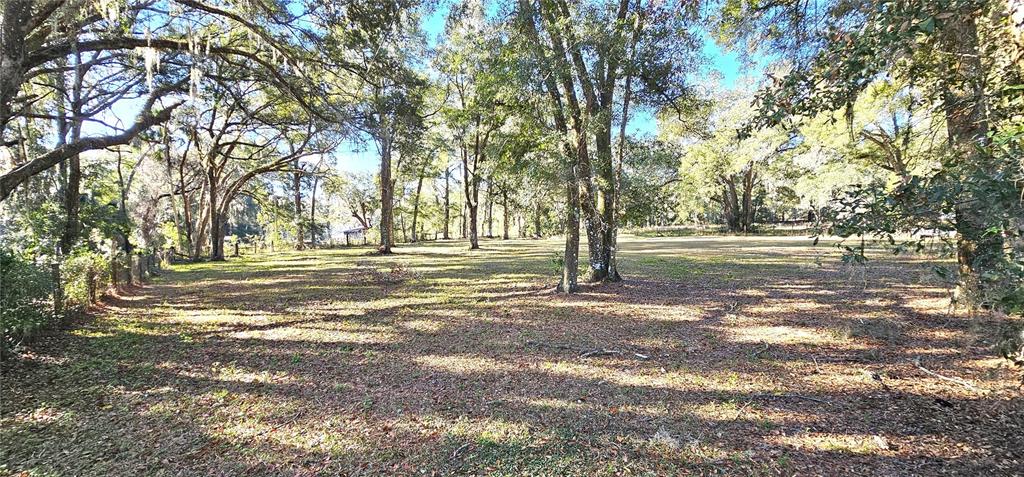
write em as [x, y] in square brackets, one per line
[146, 119]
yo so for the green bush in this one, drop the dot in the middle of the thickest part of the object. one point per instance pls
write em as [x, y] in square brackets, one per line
[25, 300]
[85, 275]
[558, 261]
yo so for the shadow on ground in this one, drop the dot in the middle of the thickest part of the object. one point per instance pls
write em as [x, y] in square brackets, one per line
[736, 355]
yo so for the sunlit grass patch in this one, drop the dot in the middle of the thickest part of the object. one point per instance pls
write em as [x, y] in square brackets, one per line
[674, 268]
[786, 306]
[464, 364]
[834, 442]
[42, 416]
[879, 329]
[304, 334]
[783, 335]
[469, 364]
[423, 326]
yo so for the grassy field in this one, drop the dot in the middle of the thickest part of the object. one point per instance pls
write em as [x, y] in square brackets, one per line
[729, 355]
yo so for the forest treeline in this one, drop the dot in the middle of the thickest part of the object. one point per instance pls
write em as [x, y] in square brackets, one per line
[132, 127]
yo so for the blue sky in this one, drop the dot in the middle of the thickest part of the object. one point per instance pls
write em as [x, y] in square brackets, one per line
[356, 156]
[726, 65]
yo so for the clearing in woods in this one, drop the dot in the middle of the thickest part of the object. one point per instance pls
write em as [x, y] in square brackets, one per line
[718, 354]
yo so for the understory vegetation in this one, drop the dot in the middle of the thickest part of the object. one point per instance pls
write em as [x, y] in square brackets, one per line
[511, 237]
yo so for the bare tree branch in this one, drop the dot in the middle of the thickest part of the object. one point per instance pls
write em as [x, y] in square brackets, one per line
[146, 119]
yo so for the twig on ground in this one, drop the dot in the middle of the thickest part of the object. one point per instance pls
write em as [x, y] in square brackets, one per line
[793, 396]
[877, 377]
[750, 401]
[460, 449]
[847, 359]
[599, 352]
[556, 346]
[588, 352]
[757, 353]
[917, 362]
[739, 413]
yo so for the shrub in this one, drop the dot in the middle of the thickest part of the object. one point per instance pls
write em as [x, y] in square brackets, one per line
[25, 300]
[1011, 342]
[85, 275]
[558, 262]
[880, 329]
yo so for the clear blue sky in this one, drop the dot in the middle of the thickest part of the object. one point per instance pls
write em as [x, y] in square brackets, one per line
[726, 65]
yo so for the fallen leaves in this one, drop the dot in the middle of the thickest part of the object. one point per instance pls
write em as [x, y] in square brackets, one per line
[716, 355]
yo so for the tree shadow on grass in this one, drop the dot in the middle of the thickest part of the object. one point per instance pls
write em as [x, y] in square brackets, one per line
[747, 374]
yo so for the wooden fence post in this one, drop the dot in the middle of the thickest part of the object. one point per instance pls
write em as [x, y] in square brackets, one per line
[58, 290]
[91, 276]
[113, 272]
[126, 270]
[143, 267]
[130, 268]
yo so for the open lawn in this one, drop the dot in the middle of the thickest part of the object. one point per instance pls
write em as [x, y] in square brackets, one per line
[734, 355]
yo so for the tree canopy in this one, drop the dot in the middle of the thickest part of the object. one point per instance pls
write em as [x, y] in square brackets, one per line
[144, 125]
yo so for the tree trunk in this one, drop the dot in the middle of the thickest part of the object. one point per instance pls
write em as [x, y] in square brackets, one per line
[126, 244]
[472, 188]
[601, 269]
[170, 180]
[598, 89]
[300, 242]
[72, 191]
[504, 214]
[463, 225]
[416, 206]
[447, 206]
[537, 211]
[747, 213]
[186, 211]
[592, 219]
[312, 210]
[967, 128]
[202, 222]
[217, 233]
[611, 240]
[490, 210]
[730, 204]
[216, 227]
[474, 239]
[587, 196]
[62, 137]
[570, 257]
[15, 17]
[571, 254]
[387, 189]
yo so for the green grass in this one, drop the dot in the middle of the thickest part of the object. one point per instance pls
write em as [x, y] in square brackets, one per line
[448, 361]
